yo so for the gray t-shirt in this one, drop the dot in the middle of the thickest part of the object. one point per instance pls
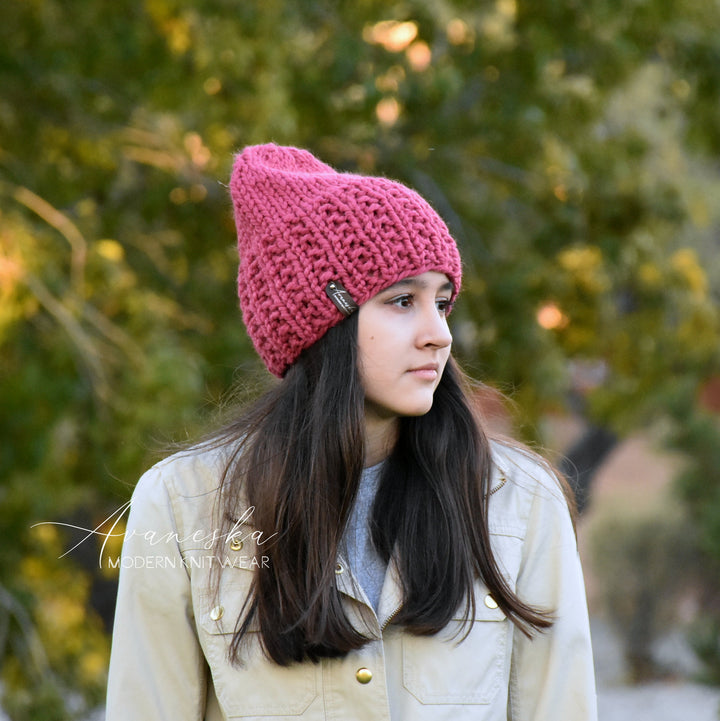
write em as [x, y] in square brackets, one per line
[367, 567]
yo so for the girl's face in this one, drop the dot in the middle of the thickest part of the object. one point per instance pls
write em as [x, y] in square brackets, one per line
[403, 345]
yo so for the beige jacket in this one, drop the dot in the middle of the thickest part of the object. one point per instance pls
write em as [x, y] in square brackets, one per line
[169, 654]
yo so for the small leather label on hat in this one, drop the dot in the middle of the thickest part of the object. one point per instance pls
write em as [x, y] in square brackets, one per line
[341, 298]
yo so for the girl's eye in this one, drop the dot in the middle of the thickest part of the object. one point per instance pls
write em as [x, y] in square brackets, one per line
[402, 301]
[444, 306]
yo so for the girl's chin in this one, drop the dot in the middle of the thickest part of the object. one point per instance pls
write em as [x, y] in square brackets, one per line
[386, 413]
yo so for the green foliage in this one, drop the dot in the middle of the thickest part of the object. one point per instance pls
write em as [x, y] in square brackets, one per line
[699, 484]
[55, 649]
[569, 145]
[705, 639]
[644, 562]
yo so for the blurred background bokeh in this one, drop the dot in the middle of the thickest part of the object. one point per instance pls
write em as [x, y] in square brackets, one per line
[573, 146]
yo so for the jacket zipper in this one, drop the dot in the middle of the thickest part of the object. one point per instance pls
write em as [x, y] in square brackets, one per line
[503, 481]
[390, 618]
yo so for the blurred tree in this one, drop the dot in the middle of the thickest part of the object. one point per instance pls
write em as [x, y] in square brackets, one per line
[570, 146]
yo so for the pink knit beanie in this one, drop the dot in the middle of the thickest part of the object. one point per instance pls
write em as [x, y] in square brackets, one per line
[314, 244]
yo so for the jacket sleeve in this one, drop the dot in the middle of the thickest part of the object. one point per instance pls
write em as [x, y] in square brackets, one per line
[157, 670]
[552, 675]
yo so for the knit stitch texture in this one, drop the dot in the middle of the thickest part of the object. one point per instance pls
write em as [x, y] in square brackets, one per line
[302, 224]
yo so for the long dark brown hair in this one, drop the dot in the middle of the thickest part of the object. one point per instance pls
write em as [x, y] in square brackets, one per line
[297, 457]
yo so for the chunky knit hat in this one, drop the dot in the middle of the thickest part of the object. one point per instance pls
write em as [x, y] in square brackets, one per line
[314, 244]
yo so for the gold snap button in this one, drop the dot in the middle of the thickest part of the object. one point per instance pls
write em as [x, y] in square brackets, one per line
[236, 544]
[490, 602]
[339, 569]
[363, 675]
[217, 613]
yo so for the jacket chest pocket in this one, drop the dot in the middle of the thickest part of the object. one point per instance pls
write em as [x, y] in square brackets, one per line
[258, 686]
[447, 669]
[442, 669]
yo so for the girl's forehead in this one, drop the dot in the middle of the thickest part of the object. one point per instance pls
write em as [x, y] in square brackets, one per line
[430, 279]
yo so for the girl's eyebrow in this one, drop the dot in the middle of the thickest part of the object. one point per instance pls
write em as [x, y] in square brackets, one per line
[418, 283]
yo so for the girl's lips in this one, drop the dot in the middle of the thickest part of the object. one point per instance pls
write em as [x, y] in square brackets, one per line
[427, 373]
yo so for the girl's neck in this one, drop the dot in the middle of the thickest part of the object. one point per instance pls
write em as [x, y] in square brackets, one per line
[380, 437]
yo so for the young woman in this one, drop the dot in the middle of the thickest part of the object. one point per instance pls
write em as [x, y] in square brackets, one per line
[353, 546]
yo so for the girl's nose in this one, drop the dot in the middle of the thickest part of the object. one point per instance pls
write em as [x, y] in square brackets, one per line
[434, 330]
